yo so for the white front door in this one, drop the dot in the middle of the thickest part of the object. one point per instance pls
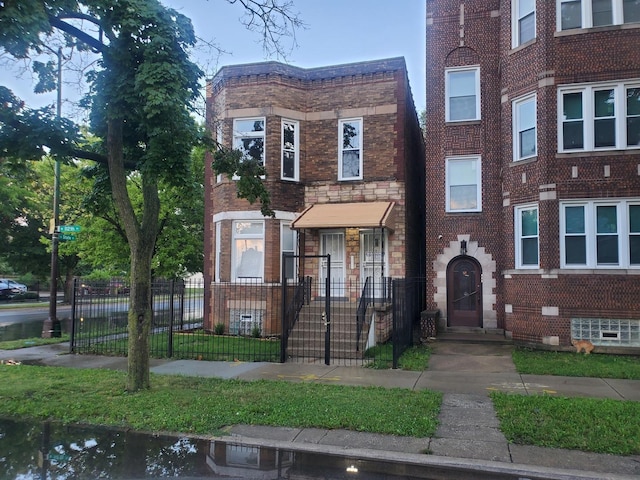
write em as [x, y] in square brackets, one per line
[373, 261]
[332, 243]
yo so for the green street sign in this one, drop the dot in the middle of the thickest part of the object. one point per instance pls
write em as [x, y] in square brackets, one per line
[69, 228]
[66, 236]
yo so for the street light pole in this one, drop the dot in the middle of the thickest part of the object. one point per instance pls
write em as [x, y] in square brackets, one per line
[51, 326]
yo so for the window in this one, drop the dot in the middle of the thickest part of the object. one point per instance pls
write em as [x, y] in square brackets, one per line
[599, 117]
[216, 275]
[526, 234]
[290, 150]
[600, 234]
[288, 245]
[524, 128]
[350, 151]
[462, 91]
[524, 21]
[596, 13]
[248, 137]
[463, 184]
[248, 250]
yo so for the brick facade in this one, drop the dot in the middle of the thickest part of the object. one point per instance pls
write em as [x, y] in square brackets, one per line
[377, 92]
[531, 304]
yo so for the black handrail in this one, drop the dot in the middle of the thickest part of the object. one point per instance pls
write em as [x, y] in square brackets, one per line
[363, 303]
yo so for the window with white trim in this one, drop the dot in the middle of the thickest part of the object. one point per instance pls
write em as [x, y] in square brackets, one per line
[350, 149]
[463, 184]
[247, 255]
[462, 93]
[249, 137]
[290, 167]
[596, 13]
[216, 274]
[527, 236]
[599, 117]
[288, 245]
[600, 234]
[523, 21]
[524, 128]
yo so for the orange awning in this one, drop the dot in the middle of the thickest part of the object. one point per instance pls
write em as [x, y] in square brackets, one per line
[347, 215]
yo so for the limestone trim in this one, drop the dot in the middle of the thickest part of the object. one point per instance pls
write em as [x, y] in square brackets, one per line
[488, 264]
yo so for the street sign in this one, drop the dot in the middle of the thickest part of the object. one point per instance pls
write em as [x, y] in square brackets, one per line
[66, 236]
[69, 228]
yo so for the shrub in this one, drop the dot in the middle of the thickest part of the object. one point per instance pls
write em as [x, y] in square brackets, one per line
[219, 329]
[256, 332]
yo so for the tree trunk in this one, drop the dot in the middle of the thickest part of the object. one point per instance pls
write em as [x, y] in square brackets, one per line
[141, 236]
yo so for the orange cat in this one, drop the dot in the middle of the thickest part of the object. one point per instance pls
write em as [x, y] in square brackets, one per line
[581, 345]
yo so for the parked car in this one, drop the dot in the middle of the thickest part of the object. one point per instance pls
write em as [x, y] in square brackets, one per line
[20, 287]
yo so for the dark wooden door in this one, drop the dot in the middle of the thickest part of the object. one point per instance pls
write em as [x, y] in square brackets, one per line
[464, 293]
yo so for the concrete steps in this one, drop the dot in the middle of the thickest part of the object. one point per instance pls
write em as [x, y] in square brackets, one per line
[307, 338]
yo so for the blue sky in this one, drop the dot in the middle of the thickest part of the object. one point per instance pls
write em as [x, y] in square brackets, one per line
[337, 32]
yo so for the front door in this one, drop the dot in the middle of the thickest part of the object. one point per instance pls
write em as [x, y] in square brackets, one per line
[332, 243]
[464, 293]
[372, 261]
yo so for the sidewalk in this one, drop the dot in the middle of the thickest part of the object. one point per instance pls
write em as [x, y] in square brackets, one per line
[468, 433]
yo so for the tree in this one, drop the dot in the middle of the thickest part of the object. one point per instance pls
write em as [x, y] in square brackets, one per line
[141, 92]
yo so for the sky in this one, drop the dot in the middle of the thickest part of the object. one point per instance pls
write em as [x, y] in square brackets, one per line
[337, 32]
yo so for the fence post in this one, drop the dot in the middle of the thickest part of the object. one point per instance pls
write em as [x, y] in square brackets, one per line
[327, 316]
[73, 316]
[284, 324]
[171, 313]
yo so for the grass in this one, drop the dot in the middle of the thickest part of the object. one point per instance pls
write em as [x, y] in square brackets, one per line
[587, 424]
[32, 342]
[538, 362]
[200, 346]
[207, 405]
[414, 358]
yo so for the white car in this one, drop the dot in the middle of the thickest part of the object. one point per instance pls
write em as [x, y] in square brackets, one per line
[6, 283]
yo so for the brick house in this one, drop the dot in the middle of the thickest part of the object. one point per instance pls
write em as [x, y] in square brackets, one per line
[533, 168]
[344, 159]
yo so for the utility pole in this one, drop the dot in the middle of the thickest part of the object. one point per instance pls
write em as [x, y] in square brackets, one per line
[51, 326]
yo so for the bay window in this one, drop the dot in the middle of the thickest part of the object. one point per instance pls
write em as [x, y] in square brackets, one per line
[527, 237]
[599, 117]
[600, 234]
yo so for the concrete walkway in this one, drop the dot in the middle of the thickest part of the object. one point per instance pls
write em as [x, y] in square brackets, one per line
[468, 434]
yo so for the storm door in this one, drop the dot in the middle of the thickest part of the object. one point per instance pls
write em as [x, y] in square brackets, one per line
[372, 261]
[332, 243]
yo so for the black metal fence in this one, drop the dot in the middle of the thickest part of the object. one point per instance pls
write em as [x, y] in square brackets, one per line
[355, 324]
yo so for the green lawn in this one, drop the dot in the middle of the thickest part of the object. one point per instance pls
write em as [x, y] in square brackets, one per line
[540, 362]
[206, 405]
[587, 424]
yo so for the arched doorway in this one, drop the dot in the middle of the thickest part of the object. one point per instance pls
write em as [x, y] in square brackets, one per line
[464, 292]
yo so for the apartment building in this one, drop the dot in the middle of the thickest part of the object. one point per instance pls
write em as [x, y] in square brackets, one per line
[533, 168]
[344, 160]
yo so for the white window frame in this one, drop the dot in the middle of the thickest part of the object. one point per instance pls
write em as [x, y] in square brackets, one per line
[238, 135]
[286, 148]
[448, 185]
[285, 229]
[588, 115]
[516, 17]
[358, 148]
[519, 236]
[448, 94]
[590, 213]
[586, 8]
[521, 125]
[234, 251]
[219, 139]
[216, 274]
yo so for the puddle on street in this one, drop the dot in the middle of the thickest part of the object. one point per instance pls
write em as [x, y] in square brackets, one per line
[50, 451]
